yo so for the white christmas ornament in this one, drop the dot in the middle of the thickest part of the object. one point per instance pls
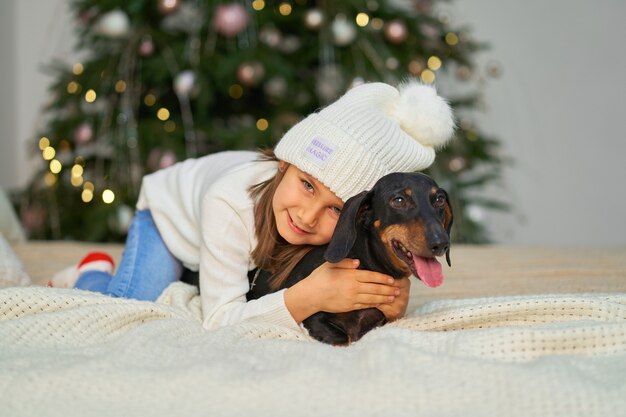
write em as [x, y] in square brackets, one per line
[344, 32]
[183, 83]
[114, 24]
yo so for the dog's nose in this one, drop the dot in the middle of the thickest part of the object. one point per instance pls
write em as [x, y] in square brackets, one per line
[439, 246]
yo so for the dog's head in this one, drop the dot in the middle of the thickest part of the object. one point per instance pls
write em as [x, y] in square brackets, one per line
[407, 214]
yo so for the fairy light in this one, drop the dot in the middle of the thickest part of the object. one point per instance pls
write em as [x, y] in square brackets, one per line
[89, 186]
[73, 87]
[108, 196]
[55, 166]
[434, 63]
[48, 153]
[284, 9]
[377, 23]
[86, 195]
[44, 142]
[258, 5]
[169, 126]
[262, 124]
[50, 179]
[120, 86]
[76, 181]
[452, 38]
[78, 68]
[235, 91]
[163, 114]
[362, 19]
[77, 171]
[149, 100]
[428, 76]
[90, 96]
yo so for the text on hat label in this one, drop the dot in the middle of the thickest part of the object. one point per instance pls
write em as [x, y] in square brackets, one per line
[319, 151]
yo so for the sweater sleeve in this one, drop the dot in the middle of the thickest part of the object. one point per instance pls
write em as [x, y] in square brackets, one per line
[224, 260]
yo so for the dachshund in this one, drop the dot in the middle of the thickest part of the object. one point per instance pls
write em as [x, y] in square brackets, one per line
[398, 228]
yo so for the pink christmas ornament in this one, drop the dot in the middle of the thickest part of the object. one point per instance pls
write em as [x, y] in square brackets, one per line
[396, 31]
[146, 47]
[167, 159]
[230, 19]
[250, 73]
[83, 133]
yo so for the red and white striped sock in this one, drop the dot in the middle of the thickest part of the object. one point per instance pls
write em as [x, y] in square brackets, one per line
[93, 261]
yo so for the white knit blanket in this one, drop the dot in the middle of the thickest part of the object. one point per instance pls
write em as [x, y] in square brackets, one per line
[74, 353]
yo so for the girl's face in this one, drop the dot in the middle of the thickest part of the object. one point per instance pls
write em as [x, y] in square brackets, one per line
[306, 211]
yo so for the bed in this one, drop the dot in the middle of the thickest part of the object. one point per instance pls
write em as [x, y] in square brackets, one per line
[513, 331]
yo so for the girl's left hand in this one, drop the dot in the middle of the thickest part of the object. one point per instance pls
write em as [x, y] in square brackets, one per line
[397, 309]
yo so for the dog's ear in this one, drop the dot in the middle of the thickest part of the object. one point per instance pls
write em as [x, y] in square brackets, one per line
[448, 218]
[345, 232]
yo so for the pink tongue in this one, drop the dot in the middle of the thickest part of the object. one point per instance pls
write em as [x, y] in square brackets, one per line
[429, 271]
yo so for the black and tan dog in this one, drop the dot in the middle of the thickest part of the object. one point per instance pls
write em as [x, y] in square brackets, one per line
[397, 228]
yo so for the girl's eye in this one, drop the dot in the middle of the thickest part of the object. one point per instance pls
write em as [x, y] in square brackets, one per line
[336, 211]
[307, 185]
[398, 202]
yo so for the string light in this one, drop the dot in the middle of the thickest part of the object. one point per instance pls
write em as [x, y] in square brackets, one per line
[451, 38]
[262, 124]
[108, 196]
[377, 23]
[428, 76]
[90, 96]
[120, 86]
[235, 91]
[86, 195]
[55, 166]
[434, 63]
[169, 126]
[149, 100]
[44, 142]
[258, 5]
[78, 68]
[163, 114]
[48, 153]
[73, 87]
[362, 19]
[50, 179]
[284, 9]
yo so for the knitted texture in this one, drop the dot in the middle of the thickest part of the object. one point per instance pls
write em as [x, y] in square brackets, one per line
[371, 131]
[73, 353]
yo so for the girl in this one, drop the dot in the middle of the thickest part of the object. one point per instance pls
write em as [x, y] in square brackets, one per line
[228, 213]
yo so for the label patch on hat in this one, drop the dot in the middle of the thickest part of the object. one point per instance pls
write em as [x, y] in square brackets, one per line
[319, 151]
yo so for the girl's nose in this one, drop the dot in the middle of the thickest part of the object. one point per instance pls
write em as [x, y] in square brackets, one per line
[308, 216]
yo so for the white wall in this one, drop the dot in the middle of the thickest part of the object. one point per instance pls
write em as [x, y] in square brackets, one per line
[558, 107]
[32, 33]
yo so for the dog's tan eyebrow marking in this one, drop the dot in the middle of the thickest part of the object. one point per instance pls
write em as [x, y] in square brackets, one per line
[408, 191]
[377, 223]
[433, 190]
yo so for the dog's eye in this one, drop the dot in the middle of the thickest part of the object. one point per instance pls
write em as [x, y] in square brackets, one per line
[398, 202]
[439, 200]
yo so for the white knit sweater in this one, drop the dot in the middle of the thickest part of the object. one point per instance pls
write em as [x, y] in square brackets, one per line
[205, 215]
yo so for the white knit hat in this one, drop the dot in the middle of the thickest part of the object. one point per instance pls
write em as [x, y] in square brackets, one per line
[372, 130]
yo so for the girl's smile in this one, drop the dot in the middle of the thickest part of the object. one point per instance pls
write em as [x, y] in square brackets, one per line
[306, 211]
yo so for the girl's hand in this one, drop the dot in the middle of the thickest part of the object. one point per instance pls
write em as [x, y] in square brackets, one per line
[341, 287]
[397, 309]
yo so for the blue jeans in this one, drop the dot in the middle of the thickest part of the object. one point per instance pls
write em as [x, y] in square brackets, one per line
[146, 269]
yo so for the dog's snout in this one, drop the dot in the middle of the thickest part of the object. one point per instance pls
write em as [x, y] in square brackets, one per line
[439, 246]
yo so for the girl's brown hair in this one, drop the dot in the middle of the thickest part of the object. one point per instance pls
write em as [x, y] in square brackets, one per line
[272, 253]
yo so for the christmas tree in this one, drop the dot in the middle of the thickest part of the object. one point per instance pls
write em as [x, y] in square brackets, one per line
[164, 80]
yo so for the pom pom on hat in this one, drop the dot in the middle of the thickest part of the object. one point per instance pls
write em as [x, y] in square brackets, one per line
[372, 130]
[423, 114]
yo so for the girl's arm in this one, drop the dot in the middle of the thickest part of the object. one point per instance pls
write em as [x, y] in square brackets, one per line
[341, 287]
